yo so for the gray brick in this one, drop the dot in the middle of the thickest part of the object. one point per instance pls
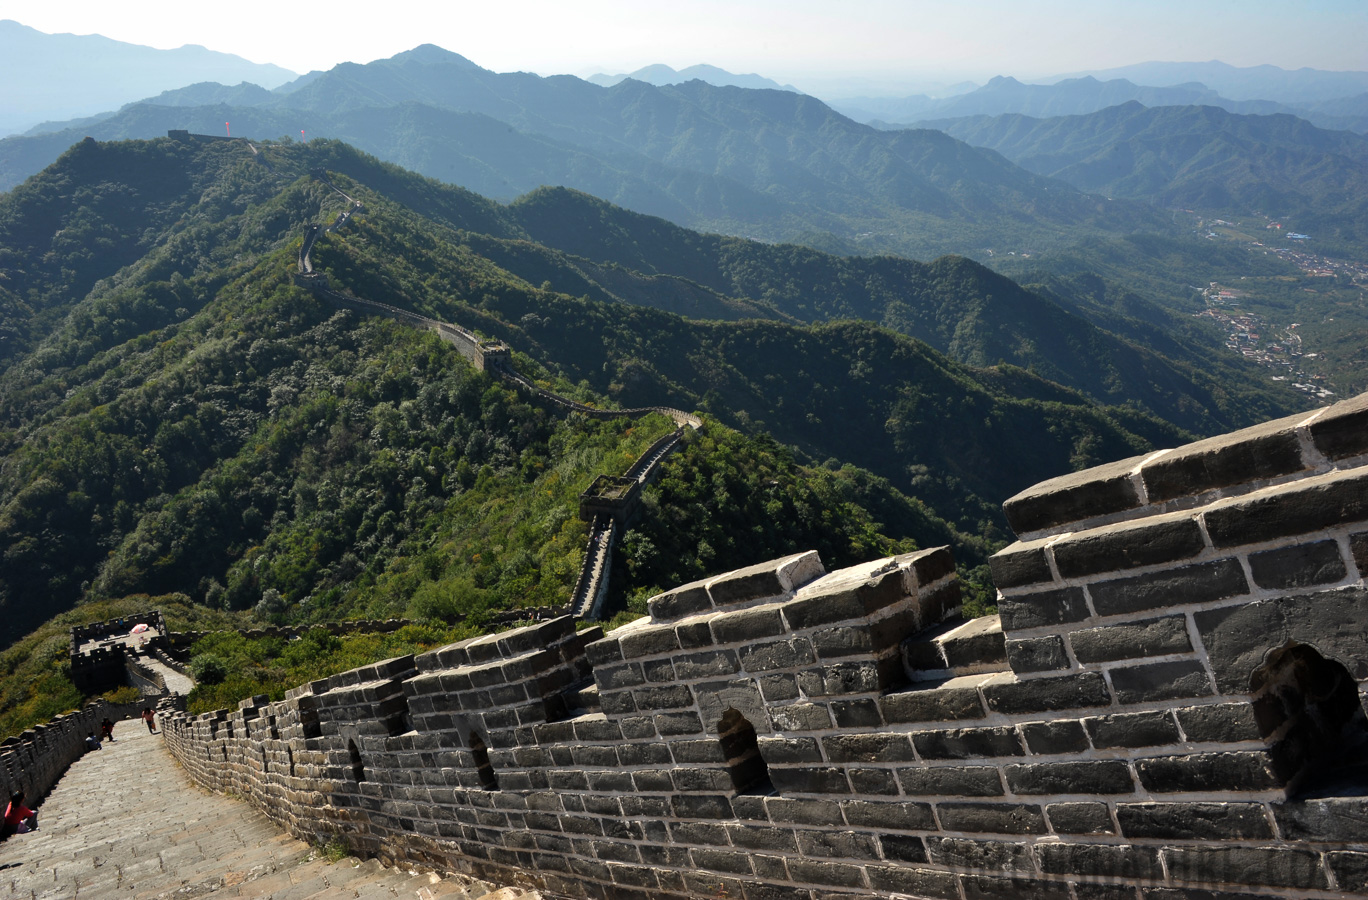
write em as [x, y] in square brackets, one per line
[1342, 430]
[1052, 607]
[1329, 819]
[1260, 453]
[1224, 722]
[680, 602]
[1070, 498]
[777, 750]
[868, 748]
[1140, 863]
[701, 806]
[1302, 565]
[1062, 736]
[840, 678]
[747, 625]
[1144, 729]
[706, 664]
[903, 848]
[1153, 637]
[648, 641]
[832, 844]
[1080, 817]
[1272, 866]
[914, 882]
[963, 781]
[770, 655]
[1243, 770]
[1351, 870]
[842, 640]
[873, 781]
[775, 688]
[932, 705]
[663, 697]
[678, 724]
[1201, 583]
[829, 873]
[1161, 681]
[1079, 691]
[801, 717]
[1237, 638]
[1110, 776]
[693, 635]
[1038, 654]
[1128, 545]
[963, 853]
[1358, 545]
[732, 862]
[1194, 821]
[987, 887]
[1020, 564]
[994, 818]
[901, 816]
[860, 713]
[763, 837]
[804, 812]
[968, 743]
[810, 780]
[1303, 507]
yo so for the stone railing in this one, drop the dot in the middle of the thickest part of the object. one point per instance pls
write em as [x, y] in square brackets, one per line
[1168, 706]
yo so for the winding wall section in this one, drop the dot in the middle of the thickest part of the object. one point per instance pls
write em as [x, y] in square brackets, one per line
[591, 587]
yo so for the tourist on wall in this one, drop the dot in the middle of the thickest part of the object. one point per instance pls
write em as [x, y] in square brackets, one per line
[107, 729]
[19, 819]
[150, 718]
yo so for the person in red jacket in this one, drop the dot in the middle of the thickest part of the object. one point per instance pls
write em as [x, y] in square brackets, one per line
[19, 819]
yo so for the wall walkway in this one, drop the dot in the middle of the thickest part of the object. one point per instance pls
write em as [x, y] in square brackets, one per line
[126, 822]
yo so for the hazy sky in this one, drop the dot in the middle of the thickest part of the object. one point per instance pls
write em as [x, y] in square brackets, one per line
[790, 40]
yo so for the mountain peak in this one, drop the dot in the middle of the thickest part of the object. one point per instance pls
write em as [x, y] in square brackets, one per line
[431, 54]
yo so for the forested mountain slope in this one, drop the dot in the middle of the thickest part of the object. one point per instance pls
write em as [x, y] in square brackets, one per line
[182, 417]
[1194, 156]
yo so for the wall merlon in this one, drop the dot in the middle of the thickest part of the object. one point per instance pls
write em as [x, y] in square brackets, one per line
[1277, 452]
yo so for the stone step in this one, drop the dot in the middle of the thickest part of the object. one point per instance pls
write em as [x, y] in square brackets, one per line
[955, 648]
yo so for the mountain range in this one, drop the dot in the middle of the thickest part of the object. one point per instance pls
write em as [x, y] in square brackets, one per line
[661, 74]
[176, 415]
[1194, 156]
[774, 165]
[51, 77]
[1004, 95]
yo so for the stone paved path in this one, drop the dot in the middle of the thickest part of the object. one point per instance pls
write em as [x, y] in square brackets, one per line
[176, 683]
[126, 822]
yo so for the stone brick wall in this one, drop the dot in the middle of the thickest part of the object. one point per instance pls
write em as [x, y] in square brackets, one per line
[1168, 707]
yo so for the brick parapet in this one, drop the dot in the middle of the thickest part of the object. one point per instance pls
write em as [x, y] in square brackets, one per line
[1276, 452]
[780, 731]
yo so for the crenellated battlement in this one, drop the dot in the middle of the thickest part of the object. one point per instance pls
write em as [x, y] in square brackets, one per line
[1169, 704]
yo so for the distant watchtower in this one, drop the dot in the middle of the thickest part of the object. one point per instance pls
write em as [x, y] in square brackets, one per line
[611, 495]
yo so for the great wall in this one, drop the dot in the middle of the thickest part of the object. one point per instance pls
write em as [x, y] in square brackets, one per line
[608, 505]
[1168, 705]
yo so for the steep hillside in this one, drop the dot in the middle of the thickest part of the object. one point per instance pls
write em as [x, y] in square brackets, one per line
[195, 422]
